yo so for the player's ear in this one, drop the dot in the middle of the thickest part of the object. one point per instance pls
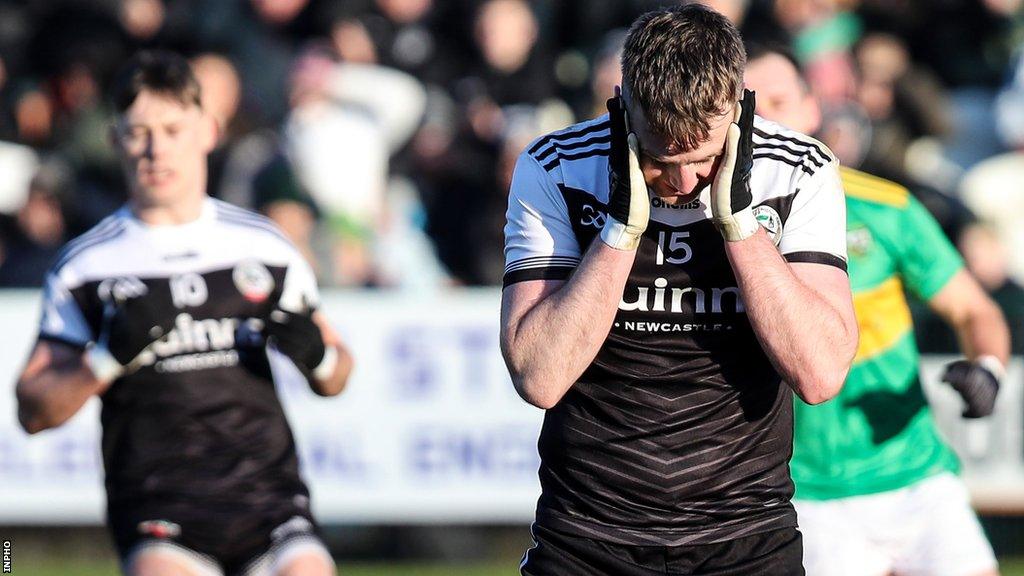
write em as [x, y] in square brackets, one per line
[812, 111]
[112, 137]
[210, 131]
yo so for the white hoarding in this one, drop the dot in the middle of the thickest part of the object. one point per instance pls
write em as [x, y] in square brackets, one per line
[429, 430]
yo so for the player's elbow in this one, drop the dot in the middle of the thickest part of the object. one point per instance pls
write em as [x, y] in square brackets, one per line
[821, 384]
[32, 421]
[534, 393]
[534, 383]
[33, 425]
[824, 377]
[327, 388]
[817, 394]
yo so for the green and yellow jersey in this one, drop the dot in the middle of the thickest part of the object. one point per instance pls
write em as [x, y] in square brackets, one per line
[879, 434]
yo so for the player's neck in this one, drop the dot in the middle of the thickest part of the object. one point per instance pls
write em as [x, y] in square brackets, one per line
[174, 213]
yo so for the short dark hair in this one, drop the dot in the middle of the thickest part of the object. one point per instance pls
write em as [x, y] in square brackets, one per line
[758, 50]
[683, 65]
[161, 71]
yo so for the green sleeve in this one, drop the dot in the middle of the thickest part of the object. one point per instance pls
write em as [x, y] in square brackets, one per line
[927, 259]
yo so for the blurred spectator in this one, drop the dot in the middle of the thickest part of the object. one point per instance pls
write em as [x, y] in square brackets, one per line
[903, 103]
[897, 102]
[404, 34]
[279, 195]
[965, 42]
[262, 38]
[240, 150]
[221, 86]
[822, 32]
[18, 164]
[142, 19]
[37, 232]
[992, 189]
[606, 75]
[513, 67]
[985, 256]
[465, 209]
[734, 10]
[1010, 106]
[347, 119]
[33, 116]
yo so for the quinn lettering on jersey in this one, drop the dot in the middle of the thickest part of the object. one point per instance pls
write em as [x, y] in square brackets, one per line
[646, 300]
[213, 338]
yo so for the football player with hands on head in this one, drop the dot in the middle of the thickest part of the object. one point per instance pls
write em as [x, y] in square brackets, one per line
[166, 311]
[876, 486]
[671, 280]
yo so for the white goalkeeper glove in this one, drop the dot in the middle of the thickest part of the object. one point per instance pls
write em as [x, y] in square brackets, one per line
[730, 191]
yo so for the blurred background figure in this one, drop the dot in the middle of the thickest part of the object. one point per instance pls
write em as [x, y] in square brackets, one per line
[873, 458]
[37, 231]
[347, 119]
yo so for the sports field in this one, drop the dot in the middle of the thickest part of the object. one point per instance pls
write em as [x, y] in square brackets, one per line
[1010, 567]
[381, 569]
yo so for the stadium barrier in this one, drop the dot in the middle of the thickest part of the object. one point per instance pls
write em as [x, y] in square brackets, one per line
[429, 430]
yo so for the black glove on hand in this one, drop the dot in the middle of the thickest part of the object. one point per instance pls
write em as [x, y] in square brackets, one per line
[976, 384]
[629, 205]
[296, 336]
[730, 191]
[135, 315]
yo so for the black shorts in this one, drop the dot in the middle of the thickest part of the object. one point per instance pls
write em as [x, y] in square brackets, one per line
[231, 536]
[775, 553]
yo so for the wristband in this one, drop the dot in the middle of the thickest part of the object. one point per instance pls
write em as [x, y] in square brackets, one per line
[325, 369]
[619, 236]
[993, 365]
[738, 226]
[104, 367]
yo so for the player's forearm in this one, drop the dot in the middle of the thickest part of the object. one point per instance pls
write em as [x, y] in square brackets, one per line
[550, 345]
[803, 335]
[51, 397]
[982, 331]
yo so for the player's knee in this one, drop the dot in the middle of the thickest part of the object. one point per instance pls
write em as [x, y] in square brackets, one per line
[159, 564]
[307, 564]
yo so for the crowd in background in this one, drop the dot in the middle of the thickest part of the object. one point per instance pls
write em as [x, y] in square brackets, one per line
[381, 134]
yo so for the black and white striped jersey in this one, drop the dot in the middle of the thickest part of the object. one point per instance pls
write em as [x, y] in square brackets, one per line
[201, 419]
[680, 430]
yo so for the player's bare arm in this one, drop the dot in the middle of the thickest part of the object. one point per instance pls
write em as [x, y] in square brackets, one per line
[551, 330]
[984, 340]
[977, 320]
[54, 385]
[802, 314]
